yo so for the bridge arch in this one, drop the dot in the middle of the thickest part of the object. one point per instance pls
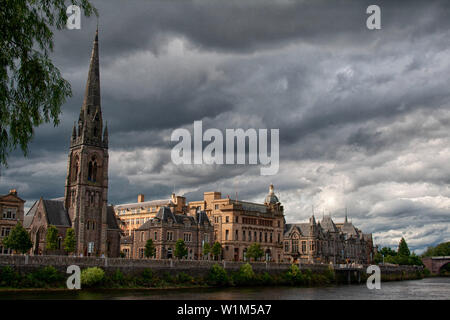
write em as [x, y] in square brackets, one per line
[445, 267]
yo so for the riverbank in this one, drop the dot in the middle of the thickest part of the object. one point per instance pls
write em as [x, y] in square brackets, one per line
[49, 278]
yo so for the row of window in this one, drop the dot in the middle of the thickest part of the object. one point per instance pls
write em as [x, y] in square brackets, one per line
[137, 210]
[187, 236]
[4, 232]
[246, 220]
[9, 214]
[137, 221]
[4, 250]
[169, 253]
[253, 236]
[294, 247]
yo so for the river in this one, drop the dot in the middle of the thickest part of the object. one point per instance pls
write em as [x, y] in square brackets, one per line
[429, 288]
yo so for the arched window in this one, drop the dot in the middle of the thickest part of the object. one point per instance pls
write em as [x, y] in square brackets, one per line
[92, 170]
[75, 169]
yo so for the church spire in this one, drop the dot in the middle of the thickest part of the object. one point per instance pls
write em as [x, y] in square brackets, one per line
[92, 92]
[90, 123]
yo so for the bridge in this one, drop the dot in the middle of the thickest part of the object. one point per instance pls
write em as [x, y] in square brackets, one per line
[435, 264]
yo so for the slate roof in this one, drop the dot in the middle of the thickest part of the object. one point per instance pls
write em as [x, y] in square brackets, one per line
[302, 227]
[164, 214]
[151, 203]
[348, 229]
[201, 217]
[327, 224]
[250, 206]
[111, 219]
[28, 218]
[56, 213]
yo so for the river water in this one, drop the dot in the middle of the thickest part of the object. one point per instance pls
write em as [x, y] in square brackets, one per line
[430, 288]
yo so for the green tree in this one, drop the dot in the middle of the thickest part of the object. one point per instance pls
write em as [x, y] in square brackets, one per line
[442, 249]
[18, 240]
[32, 89]
[403, 249]
[149, 248]
[216, 250]
[206, 249]
[69, 241]
[378, 258]
[180, 249]
[51, 238]
[255, 251]
[386, 251]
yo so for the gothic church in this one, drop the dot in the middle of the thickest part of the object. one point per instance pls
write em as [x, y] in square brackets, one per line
[84, 206]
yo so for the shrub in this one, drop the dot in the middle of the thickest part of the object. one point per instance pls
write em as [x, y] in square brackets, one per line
[294, 276]
[9, 277]
[265, 279]
[148, 278]
[245, 275]
[92, 276]
[118, 278]
[168, 278]
[330, 275]
[184, 278]
[217, 276]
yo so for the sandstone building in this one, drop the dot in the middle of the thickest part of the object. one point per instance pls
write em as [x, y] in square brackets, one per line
[84, 206]
[166, 228]
[238, 224]
[325, 242]
[134, 215]
[11, 213]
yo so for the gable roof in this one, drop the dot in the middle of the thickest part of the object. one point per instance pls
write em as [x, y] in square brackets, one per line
[11, 197]
[164, 214]
[328, 225]
[56, 213]
[303, 228]
[28, 218]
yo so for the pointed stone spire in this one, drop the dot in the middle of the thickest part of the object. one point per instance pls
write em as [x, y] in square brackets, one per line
[346, 220]
[105, 134]
[92, 92]
[90, 122]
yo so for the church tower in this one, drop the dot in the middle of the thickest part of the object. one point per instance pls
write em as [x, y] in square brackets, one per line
[86, 188]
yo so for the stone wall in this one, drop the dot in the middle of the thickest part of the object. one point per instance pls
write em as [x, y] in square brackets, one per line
[191, 267]
[136, 266]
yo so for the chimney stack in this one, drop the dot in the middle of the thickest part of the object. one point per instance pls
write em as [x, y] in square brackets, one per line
[140, 197]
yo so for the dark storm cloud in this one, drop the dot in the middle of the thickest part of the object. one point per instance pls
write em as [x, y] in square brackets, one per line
[363, 115]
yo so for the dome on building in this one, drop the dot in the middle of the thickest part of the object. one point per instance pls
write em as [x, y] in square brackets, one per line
[271, 197]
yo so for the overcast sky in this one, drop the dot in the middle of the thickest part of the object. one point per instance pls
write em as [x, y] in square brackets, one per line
[364, 116]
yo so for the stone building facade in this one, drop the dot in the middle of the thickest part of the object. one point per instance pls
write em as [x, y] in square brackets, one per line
[134, 215]
[326, 242]
[166, 228]
[11, 213]
[84, 206]
[238, 224]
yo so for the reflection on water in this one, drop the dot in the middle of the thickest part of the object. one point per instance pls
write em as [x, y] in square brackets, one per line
[431, 288]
